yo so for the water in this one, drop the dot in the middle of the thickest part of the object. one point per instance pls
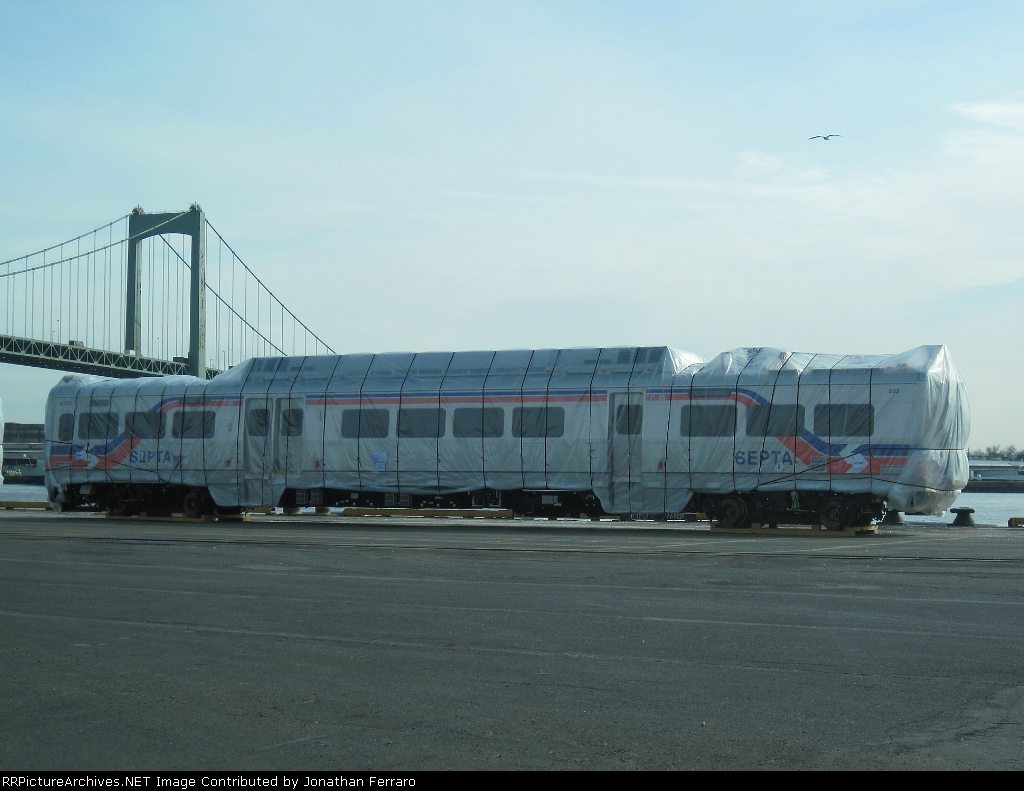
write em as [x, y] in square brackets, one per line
[989, 508]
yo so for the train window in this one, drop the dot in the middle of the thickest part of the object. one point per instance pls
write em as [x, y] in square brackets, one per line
[98, 425]
[257, 422]
[775, 420]
[193, 425]
[486, 422]
[366, 423]
[144, 425]
[844, 420]
[629, 418]
[421, 423]
[708, 420]
[66, 428]
[538, 421]
[291, 422]
[860, 420]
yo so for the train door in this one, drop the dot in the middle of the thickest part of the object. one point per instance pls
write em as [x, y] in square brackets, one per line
[288, 419]
[257, 468]
[625, 462]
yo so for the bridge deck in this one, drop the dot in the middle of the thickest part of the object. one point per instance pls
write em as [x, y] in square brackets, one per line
[77, 359]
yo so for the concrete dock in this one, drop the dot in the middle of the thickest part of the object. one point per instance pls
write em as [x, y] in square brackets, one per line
[333, 643]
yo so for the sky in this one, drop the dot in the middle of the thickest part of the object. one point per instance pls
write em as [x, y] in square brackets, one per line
[423, 176]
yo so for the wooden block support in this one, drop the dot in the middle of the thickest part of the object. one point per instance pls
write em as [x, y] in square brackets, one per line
[795, 530]
[144, 517]
[434, 512]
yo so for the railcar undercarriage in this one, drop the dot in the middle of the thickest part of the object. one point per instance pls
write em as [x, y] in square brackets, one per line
[525, 502]
[832, 510]
[128, 499]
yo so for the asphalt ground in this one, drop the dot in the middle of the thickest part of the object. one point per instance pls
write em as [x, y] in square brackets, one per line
[326, 643]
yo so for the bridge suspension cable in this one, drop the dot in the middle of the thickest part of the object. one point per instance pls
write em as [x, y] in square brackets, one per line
[75, 295]
[61, 245]
[254, 306]
[64, 292]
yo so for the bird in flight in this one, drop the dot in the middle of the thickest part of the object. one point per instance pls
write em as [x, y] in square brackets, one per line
[823, 137]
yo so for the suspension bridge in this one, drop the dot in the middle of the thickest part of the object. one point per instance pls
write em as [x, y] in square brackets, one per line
[144, 295]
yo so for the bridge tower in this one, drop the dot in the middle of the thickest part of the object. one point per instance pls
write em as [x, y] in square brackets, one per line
[141, 226]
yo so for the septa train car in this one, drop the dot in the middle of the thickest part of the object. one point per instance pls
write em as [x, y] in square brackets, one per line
[755, 435]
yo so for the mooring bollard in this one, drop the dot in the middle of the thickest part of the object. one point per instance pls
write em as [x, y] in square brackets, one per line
[963, 517]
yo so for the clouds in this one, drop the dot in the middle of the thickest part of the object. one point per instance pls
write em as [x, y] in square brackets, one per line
[1005, 114]
[910, 231]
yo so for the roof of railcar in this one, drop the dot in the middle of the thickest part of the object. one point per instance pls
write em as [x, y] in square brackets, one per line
[637, 365]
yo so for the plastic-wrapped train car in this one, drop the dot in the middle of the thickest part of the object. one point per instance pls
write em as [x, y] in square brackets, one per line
[756, 434]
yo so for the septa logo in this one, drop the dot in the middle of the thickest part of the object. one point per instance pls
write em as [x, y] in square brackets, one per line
[150, 457]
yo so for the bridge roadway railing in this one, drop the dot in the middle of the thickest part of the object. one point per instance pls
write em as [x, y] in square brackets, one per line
[64, 357]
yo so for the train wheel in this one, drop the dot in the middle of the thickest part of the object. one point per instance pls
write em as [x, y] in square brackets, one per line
[733, 512]
[123, 504]
[834, 513]
[195, 503]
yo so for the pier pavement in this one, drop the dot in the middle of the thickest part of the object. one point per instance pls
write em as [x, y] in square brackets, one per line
[333, 643]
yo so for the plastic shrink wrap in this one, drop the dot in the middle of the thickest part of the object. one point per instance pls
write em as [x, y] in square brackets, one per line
[893, 426]
[642, 428]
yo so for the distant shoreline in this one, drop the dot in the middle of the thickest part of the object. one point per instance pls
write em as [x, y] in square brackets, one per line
[994, 486]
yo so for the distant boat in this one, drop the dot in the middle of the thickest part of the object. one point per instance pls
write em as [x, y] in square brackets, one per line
[995, 476]
[22, 453]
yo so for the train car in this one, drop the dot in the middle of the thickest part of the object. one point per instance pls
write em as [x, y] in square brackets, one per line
[756, 434]
[1, 442]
